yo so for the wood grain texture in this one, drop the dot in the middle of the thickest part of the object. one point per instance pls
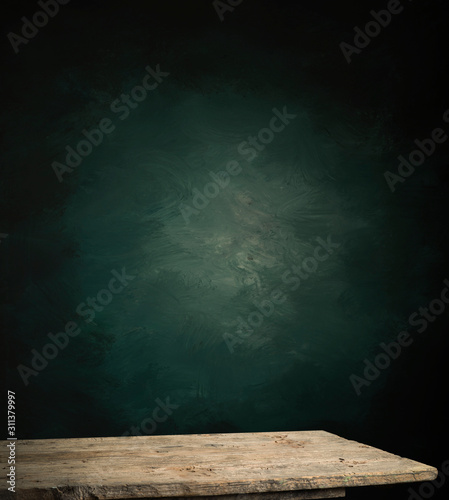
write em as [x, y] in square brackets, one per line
[201, 465]
[276, 495]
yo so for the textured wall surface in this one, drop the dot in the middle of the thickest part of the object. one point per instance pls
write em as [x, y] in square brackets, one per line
[247, 301]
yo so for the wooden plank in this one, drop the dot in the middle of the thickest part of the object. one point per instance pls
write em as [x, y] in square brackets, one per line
[277, 495]
[202, 465]
[58, 494]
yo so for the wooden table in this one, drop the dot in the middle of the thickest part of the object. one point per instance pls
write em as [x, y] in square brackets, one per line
[260, 466]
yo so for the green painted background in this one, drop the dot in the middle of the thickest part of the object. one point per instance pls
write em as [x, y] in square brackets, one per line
[161, 338]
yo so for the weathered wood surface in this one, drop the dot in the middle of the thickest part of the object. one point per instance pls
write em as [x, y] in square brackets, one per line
[276, 495]
[202, 465]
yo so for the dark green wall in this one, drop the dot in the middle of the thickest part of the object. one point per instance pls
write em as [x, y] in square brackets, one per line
[169, 333]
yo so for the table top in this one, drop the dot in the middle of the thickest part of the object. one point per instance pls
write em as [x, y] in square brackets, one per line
[202, 465]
